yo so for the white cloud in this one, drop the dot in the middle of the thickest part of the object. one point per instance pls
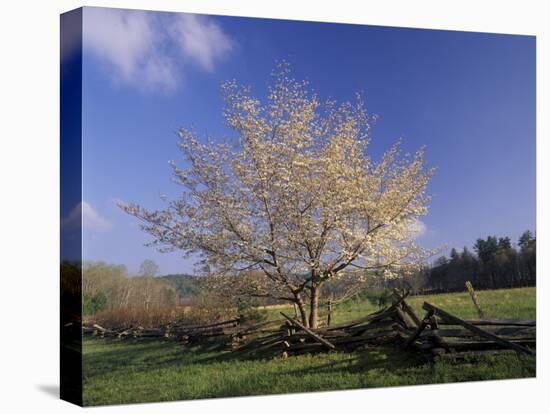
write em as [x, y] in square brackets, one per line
[150, 50]
[418, 228]
[84, 214]
[201, 39]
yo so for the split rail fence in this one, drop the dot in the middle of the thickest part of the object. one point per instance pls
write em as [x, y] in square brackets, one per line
[437, 332]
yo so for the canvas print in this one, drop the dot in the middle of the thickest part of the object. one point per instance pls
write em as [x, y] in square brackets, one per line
[258, 206]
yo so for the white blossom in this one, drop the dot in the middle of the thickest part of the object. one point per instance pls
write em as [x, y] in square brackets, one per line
[296, 200]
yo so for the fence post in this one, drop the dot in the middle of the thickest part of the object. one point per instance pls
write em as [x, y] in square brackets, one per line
[329, 316]
[474, 299]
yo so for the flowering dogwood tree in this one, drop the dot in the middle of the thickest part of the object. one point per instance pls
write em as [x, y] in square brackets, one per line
[295, 201]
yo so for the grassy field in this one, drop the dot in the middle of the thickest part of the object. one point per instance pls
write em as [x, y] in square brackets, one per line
[124, 372]
[502, 303]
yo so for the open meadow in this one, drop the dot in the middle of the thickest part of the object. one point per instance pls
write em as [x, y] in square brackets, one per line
[125, 371]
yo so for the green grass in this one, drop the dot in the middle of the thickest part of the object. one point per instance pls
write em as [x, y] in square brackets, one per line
[502, 303]
[127, 372]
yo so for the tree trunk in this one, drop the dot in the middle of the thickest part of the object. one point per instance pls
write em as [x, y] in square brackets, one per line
[302, 309]
[314, 306]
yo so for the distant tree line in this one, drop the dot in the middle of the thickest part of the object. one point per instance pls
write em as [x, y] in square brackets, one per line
[495, 263]
[109, 290]
[114, 296]
[186, 285]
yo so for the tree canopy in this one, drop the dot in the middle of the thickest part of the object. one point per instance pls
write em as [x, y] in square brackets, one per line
[295, 198]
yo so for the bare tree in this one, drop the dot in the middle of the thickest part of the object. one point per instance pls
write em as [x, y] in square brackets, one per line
[148, 268]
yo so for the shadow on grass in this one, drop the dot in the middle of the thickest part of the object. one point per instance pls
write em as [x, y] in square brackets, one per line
[118, 352]
[157, 370]
[117, 355]
[364, 359]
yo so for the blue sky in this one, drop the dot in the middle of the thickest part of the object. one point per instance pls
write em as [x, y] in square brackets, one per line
[468, 97]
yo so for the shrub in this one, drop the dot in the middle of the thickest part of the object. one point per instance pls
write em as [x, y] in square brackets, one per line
[92, 304]
[380, 298]
[139, 316]
[248, 309]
